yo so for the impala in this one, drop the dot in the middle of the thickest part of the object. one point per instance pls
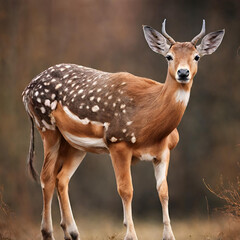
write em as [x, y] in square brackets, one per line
[78, 109]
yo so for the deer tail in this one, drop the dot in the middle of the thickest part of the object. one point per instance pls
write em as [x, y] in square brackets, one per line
[31, 153]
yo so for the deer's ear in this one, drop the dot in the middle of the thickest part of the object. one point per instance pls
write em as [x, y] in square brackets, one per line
[156, 41]
[210, 42]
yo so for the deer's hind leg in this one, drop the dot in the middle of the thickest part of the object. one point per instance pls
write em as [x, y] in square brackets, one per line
[51, 143]
[121, 159]
[70, 159]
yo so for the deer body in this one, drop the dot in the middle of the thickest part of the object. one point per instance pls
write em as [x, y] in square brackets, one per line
[78, 110]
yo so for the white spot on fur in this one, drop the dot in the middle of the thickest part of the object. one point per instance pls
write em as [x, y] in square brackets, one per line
[43, 110]
[47, 103]
[122, 106]
[58, 86]
[53, 105]
[124, 130]
[95, 108]
[80, 91]
[98, 99]
[92, 98]
[182, 96]
[129, 123]
[113, 139]
[53, 96]
[133, 139]
[36, 93]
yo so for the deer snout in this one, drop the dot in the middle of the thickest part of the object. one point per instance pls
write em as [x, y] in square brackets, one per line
[183, 75]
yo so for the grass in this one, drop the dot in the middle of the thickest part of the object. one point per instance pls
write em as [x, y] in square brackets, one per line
[102, 227]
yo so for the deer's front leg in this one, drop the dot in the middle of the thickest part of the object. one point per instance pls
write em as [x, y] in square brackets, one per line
[161, 169]
[121, 159]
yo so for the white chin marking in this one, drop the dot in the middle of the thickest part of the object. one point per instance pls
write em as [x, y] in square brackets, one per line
[182, 81]
[182, 96]
[85, 141]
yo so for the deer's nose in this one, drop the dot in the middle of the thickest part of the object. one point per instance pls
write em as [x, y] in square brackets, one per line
[183, 74]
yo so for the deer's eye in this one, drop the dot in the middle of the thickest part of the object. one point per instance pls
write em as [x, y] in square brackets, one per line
[169, 57]
[197, 58]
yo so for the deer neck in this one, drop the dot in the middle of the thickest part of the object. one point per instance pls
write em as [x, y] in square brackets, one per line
[166, 111]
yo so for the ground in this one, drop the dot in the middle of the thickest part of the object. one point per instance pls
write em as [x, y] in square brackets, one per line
[101, 227]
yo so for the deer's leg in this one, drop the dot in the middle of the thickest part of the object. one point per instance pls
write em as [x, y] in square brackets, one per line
[70, 158]
[161, 169]
[51, 143]
[121, 159]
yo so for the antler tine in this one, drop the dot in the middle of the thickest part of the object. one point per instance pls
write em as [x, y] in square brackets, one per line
[170, 39]
[200, 35]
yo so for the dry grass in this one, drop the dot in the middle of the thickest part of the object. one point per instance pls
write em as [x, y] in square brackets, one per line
[102, 228]
[230, 194]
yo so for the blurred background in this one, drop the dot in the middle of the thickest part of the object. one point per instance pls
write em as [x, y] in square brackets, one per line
[107, 35]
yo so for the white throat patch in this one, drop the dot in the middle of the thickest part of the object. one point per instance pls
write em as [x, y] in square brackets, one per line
[182, 96]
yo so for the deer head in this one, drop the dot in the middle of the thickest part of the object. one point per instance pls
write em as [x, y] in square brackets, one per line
[182, 57]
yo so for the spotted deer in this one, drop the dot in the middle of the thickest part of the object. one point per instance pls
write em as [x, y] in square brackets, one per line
[78, 109]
